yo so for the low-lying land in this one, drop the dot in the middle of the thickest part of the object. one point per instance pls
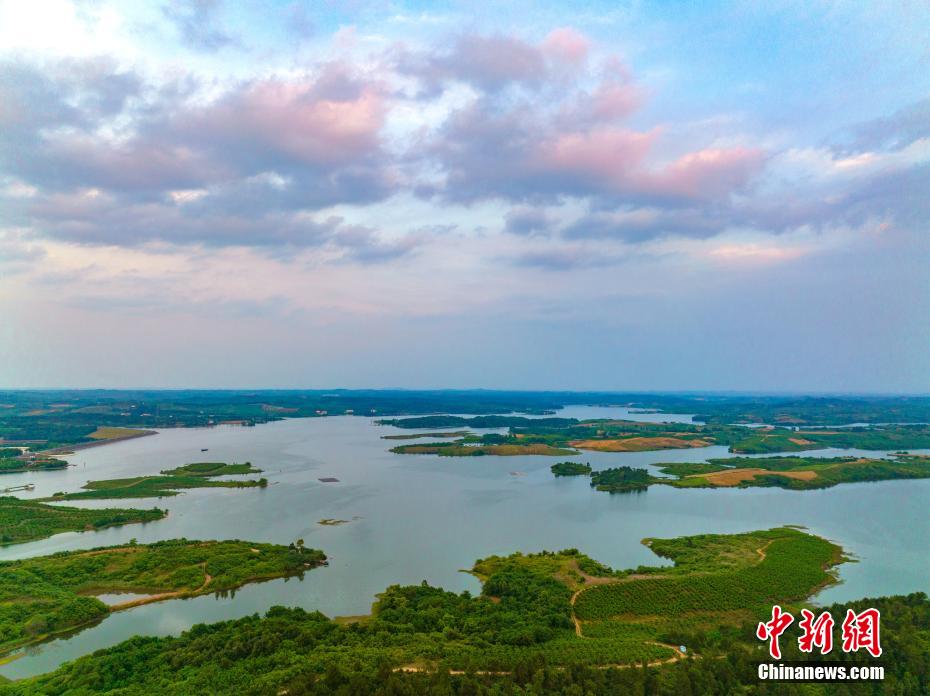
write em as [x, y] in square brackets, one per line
[50, 594]
[210, 469]
[21, 465]
[28, 520]
[416, 436]
[796, 473]
[791, 472]
[14, 460]
[169, 483]
[462, 448]
[544, 435]
[543, 623]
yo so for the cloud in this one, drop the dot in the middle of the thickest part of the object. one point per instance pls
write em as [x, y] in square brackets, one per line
[491, 63]
[197, 24]
[526, 221]
[893, 132]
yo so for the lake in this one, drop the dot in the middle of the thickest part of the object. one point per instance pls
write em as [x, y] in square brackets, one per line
[424, 517]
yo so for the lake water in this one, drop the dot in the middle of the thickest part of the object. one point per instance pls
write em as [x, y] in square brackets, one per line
[425, 517]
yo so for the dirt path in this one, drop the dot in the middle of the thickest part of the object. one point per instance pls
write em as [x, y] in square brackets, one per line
[679, 655]
[761, 550]
[166, 595]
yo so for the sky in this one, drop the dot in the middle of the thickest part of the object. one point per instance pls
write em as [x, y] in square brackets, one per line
[516, 195]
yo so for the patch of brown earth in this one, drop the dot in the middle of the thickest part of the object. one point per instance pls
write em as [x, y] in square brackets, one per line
[733, 477]
[638, 444]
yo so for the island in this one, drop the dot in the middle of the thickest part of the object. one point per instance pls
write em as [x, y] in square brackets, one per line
[43, 596]
[570, 469]
[790, 472]
[169, 483]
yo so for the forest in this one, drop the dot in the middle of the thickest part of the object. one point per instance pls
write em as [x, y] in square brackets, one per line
[525, 635]
[60, 418]
[28, 520]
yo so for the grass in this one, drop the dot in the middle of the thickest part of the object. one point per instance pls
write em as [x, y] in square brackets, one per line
[49, 594]
[208, 469]
[638, 444]
[105, 432]
[27, 520]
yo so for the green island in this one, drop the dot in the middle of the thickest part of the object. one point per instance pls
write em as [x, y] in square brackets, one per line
[43, 596]
[543, 623]
[570, 469]
[169, 483]
[210, 469]
[480, 445]
[791, 472]
[416, 436]
[795, 473]
[22, 521]
[553, 436]
[621, 479]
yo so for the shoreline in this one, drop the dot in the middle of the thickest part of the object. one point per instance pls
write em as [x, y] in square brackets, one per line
[71, 449]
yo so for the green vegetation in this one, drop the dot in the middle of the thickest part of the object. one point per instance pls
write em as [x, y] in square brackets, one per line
[28, 520]
[172, 481]
[209, 469]
[14, 461]
[717, 573]
[460, 449]
[622, 479]
[571, 469]
[46, 595]
[795, 473]
[19, 466]
[682, 469]
[76, 418]
[605, 435]
[766, 440]
[542, 625]
[416, 436]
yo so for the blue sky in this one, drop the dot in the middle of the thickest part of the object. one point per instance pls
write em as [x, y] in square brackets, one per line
[667, 195]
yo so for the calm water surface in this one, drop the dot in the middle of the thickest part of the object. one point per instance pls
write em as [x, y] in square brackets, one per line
[425, 517]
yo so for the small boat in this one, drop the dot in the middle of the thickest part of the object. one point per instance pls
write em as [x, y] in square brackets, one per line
[204, 449]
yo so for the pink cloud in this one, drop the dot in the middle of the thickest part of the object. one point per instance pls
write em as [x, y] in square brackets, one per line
[566, 45]
[608, 155]
[293, 119]
[709, 173]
